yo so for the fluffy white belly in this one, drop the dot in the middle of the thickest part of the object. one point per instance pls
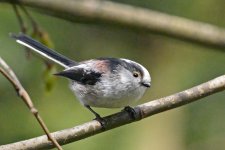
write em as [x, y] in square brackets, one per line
[107, 98]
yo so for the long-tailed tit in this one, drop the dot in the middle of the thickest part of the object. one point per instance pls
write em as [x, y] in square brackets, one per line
[101, 82]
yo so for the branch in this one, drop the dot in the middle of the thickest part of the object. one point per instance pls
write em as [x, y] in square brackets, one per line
[10, 75]
[121, 118]
[22, 24]
[106, 12]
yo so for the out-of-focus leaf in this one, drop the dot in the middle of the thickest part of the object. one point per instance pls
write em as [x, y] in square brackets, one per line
[49, 78]
[45, 39]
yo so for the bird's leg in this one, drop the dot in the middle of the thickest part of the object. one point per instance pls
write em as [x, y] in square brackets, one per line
[95, 113]
[98, 117]
[132, 113]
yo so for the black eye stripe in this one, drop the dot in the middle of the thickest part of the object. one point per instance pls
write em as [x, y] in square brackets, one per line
[137, 69]
[115, 62]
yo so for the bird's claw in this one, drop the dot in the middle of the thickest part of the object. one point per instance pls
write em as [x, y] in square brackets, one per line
[102, 121]
[132, 113]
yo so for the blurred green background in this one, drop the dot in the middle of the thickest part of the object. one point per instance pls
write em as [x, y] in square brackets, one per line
[174, 65]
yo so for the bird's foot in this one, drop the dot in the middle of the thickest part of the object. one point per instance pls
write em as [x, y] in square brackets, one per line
[132, 113]
[101, 120]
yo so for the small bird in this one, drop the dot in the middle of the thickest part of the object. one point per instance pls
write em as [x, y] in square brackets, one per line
[101, 82]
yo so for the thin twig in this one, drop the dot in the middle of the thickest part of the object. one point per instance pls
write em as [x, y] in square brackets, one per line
[23, 26]
[121, 118]
[9, 72]
[20, 20]
[10, 75]
[108, 12]
[35, 25]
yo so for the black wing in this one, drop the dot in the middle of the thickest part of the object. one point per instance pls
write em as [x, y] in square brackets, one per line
[82, 76]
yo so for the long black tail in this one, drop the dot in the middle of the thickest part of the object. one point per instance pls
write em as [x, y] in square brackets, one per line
[43, 50]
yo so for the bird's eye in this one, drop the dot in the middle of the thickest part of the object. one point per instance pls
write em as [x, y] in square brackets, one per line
[135, 74]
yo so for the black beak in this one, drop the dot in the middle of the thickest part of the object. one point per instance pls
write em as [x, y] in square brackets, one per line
[66, 73]
[148, 85]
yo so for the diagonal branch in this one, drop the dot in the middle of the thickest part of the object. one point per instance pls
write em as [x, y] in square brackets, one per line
[106, 12]
[121, 118]
[11, 77]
